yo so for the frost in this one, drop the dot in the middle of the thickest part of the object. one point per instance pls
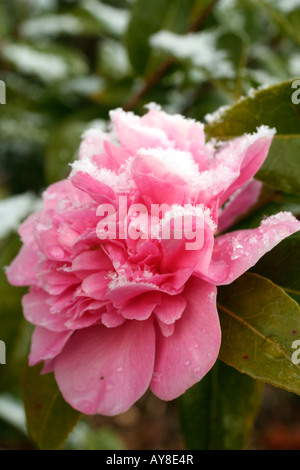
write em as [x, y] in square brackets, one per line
[294, 64]
[114, 58]
[189, 210]
[47, 66]
[280, 217]
[83, 85]
[51, 25]
[96, 126]
[237, 249]
[199, 48]
[119, 182]
[175, 161]
[182, 164]
[41, 5]
[285, 6]
[115, 20]
[230, 9]
[12, 411]
[14, 209]
[121, 280]
[261, 131]
[217, 115]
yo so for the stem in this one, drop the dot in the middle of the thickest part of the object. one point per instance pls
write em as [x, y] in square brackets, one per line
[154, 77]
[149, 84]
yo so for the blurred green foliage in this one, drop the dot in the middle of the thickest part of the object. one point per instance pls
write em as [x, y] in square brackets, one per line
[67, 63]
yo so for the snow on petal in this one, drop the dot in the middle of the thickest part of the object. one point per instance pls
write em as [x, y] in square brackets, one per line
[236, 252]
[133, 135]
[244, 156]
[114, 313]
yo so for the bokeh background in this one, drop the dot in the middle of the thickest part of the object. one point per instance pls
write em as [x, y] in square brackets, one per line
[65, 65]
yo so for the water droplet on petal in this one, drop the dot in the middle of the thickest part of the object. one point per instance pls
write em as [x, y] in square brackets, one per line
[187, 363]
[56, 252]
[120, 369]
[156, 377]
[109, 387]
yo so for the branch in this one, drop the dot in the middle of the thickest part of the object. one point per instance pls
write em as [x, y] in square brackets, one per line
[155, 76]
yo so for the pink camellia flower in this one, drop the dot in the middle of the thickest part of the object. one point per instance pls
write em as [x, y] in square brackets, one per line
[113, 313]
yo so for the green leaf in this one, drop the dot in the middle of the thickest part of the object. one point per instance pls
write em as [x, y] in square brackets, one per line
[148, 18]
[62, 149]
[259, 323]
[272, 107]
[109, 18]
[269, 203]
[49, 418]
[282, 266]
[63, 145]
[245, 16]
[12, 325]
[75, 22]
[215, 63]
[213, 417]
[112, 60]
[49, 62]
[237, 48]
[86, 437]
[286, 16]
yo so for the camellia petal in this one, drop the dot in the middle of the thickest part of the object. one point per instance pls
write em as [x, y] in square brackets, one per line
[184, 357]
[124, 258]
[46, 344]
[239, 203]
[105, 370]
[236, 252]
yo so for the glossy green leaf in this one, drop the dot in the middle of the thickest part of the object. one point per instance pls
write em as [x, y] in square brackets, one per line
[89, 437]
[259, 323]
[218, 413]
[218, 62]
[273, 107]
[110, 19]
[286, 15]
[150, 17]
[282, 266]
[49, 418]
[48, 62]
[12, 325]
[62, 149]
[269, 203]
[75, 22]
[237, 48]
